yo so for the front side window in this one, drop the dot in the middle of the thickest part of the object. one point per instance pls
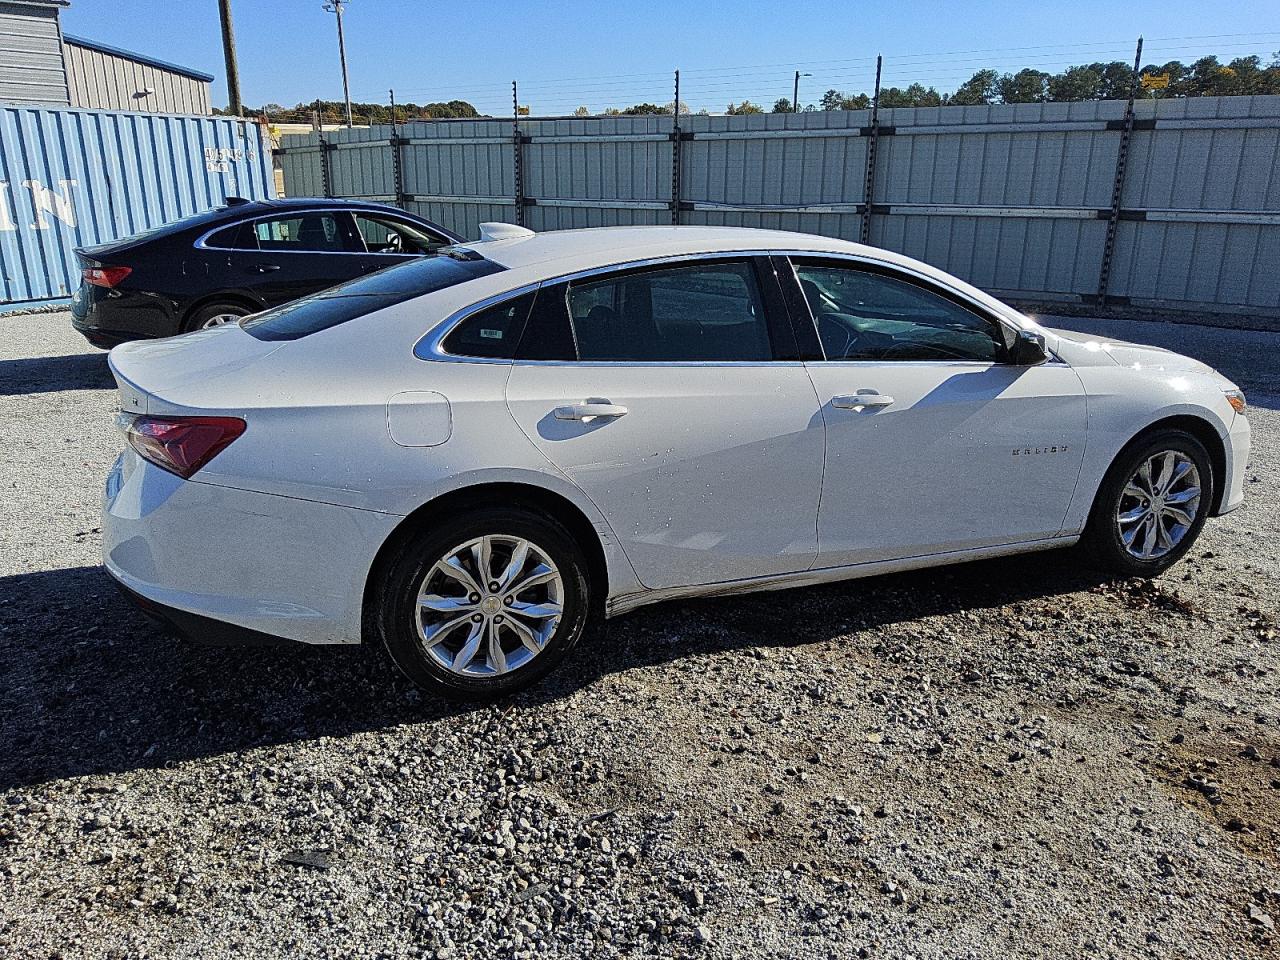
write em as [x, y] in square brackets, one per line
[866, 315]
[385, 235]
[708, 311]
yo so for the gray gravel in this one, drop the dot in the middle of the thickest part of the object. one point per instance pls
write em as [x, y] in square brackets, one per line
[1008, 759]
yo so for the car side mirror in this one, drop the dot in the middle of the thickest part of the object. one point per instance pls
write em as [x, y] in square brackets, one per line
[1028, 349]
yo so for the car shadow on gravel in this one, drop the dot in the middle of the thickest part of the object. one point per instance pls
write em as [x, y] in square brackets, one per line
[77, 371]
[91, 686]
[810, 615]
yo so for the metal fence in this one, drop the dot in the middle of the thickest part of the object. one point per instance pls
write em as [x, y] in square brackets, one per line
[1164, 203]
[71, 178]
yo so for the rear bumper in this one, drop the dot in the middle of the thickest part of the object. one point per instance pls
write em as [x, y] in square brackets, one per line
[107, 318]
[197, 554]
[203, 630]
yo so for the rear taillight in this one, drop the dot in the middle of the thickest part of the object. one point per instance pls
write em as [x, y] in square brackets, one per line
[181, 445]
[108, 277]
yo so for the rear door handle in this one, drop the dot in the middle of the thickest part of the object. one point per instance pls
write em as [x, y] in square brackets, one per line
[266, 267]
[589, 410]
[855, 401]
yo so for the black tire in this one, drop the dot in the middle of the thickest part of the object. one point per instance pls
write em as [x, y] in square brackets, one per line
[200, 317]
[1102, 537]
[397, 615]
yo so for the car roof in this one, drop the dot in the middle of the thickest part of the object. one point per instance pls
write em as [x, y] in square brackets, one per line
[564, 250]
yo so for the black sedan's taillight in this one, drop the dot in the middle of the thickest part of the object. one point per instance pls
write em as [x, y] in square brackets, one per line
[101, 275]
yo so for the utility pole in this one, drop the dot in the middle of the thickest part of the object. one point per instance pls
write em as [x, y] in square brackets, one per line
[229, 52]
[795, 92]
[335, 6]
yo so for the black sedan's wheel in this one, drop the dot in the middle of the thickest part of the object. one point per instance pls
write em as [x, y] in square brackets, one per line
[215, 315]
[485, 604]
[1152, 504]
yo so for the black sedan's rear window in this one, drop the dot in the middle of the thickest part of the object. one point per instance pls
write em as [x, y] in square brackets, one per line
[362, 296]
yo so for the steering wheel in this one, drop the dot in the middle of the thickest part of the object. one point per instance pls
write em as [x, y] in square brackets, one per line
[394, 244]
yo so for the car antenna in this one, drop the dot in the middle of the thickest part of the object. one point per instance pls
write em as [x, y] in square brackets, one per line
[236, 201]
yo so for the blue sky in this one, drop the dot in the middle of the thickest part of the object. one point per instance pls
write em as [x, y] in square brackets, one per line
[599, 54]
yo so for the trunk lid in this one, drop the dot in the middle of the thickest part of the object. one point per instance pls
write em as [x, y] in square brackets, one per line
[184, 374]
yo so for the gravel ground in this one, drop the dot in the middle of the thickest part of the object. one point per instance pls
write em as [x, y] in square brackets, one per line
[1008, 759]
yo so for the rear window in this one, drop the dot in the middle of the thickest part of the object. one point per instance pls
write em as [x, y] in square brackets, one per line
[328, 308]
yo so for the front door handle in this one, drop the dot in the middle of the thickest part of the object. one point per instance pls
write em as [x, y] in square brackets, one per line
[266, 267]
[856, 401]
[589, 410]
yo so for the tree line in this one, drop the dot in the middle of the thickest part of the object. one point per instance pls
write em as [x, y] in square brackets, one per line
[1206, 77]
[334, 111]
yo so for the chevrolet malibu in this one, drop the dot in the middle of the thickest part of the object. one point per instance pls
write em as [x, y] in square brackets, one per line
[472, 458]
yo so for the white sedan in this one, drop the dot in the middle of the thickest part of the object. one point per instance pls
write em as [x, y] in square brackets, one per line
[472, 458]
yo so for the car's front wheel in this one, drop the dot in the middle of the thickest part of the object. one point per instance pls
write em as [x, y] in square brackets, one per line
[1152, 504]
[484, 604]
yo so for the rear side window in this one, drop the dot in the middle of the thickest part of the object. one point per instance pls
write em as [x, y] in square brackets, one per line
[695, 312]
[362, 296]
[491, 333]
[239, 237]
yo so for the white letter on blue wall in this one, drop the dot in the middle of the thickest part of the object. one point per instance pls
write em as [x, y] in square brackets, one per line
[6, 218]
[44, 200]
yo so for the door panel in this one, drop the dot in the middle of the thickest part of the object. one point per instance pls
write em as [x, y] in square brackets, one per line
[283, 258]
[965, 455]
[712, 473]
[675, 402]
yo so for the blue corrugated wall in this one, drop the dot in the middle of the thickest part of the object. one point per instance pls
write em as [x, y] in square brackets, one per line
[71, 178]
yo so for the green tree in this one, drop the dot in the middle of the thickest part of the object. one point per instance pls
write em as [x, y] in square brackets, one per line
[979, 89]
[782, 105]
[832, 100]
[582, 112]
[644, 109]
[916, 95]
[1025, 86]
[746, 106]
[1076, 83]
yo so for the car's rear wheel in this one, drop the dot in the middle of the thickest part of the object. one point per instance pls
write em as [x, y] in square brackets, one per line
[484, 604]
[216, 315]
[1152, 504]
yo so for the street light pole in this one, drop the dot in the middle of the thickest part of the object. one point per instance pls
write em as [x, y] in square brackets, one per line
[335, 6]
[795, 92]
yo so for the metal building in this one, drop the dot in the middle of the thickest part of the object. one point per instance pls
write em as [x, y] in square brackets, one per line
[32, 69]
[106, 78]
[41, 65]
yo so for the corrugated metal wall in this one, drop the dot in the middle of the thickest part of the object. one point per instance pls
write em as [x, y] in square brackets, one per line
[1014, 198]
[31, 66]
[71, 178]
[104, 81]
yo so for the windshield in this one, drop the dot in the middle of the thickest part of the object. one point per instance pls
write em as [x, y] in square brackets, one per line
[362, 296]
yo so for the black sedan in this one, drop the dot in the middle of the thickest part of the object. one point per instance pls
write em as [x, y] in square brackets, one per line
[219, 266]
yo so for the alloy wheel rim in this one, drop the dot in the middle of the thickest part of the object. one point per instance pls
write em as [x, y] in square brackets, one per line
[489, 606]
[220, 319]
[1159, 505]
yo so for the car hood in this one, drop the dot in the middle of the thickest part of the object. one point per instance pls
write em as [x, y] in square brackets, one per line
[1137, 356]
